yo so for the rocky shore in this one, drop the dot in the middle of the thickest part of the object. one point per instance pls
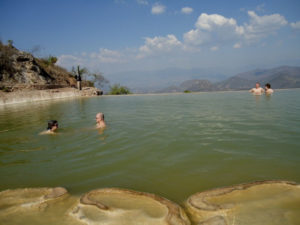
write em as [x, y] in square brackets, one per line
[260, 203]
[24, 96]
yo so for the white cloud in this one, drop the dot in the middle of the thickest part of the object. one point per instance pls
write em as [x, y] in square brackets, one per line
[210, 22]
[187, 10]
[262, 26]
[108, 56]
[296, 25]
[213, 28]
[237, 45]
[216, 29]
[69, 60]
[142, 2]
[159, 44]
[214, 48]
[158, 9]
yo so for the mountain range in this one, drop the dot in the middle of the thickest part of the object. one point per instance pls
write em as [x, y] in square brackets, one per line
[279, 77]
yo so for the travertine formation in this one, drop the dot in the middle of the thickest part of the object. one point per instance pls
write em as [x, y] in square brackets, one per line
[267, 202]
[109, 206]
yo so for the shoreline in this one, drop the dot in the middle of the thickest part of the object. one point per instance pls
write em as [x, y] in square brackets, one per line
[26, 96]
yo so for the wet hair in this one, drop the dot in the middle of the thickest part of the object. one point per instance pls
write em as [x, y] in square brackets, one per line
[51, 123]
[268, 85]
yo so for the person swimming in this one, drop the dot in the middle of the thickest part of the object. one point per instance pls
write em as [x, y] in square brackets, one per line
[257, 90]
[52, 127]
[100, 123]
[268, 89]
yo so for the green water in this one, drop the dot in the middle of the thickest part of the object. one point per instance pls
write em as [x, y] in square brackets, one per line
[171, 145]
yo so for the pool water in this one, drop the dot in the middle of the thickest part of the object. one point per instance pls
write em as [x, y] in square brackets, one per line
[172, 145]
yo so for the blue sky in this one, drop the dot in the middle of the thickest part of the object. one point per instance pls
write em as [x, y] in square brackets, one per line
[115, 36]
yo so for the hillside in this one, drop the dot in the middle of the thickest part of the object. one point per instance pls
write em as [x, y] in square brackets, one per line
[19, 70]
[279, 77]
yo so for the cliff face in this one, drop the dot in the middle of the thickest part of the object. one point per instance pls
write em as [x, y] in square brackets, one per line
[20, 69]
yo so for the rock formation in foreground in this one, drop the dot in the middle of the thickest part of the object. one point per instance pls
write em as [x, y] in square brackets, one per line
[266, 202]
[259, 203]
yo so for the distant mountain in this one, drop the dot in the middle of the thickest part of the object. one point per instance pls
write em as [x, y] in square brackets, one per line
[191, 85]
[152, 81]
[280, 77]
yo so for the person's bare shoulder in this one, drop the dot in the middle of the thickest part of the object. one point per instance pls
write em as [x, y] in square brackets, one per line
[46, 132]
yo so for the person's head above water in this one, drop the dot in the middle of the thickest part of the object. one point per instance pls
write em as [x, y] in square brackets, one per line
[99, 117]
[100, 120]
[52, 125]
[267, 86]
[257, 85]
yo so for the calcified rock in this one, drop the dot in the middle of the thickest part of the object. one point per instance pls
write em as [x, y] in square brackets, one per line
[266, 202]
[36, 206]
[114, 206]
[104, 206]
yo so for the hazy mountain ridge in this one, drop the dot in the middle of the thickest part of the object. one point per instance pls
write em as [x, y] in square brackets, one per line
[279, 77]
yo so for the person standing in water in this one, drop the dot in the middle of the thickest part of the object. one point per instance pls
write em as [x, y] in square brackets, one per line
[268, 89]
[52, 127]
[257, 90]
[100, 123]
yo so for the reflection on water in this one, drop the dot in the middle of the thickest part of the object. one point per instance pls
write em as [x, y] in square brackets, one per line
[171, 145]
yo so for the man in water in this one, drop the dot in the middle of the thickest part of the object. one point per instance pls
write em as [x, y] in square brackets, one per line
[52, 127]
[100, 120]
[268, 89]
[257, 90]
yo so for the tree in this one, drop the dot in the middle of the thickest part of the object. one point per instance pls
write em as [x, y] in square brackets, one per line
[119, 90]
[10, 43]
[79, 72]
[52, 60]
[99, 79]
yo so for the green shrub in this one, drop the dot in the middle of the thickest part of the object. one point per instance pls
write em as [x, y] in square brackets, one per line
[187, 91]
[49, 61]
[119, 90]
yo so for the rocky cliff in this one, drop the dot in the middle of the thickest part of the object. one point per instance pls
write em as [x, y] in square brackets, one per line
[19, 70]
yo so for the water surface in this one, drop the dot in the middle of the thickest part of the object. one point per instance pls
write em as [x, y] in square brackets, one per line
[172, 145]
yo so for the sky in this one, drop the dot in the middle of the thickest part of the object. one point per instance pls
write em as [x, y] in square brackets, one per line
[121, 36]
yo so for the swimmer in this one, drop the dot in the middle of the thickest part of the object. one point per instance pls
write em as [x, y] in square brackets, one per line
[52, 127]
[100, 124]
[268, 89]
[257, 90]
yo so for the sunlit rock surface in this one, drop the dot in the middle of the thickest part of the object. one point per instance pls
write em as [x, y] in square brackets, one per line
[102, 206]
[36, 206]
[114, 206]
[267, 202]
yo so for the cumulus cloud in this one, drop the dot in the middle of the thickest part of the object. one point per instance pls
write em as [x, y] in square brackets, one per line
[142, 2]
[158, 9]
[217, 29]
[159, 44]
[296, 25]
[213, 28]
[262, 26]
[187, 10]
